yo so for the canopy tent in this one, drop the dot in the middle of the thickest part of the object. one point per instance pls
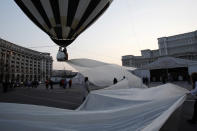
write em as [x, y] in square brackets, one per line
[170, 68]
[169, 62]
[102, 74]
[108, 109]
[142, 73]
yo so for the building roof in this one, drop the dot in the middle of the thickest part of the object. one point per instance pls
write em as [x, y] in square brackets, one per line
[14, 47]
[169, 62]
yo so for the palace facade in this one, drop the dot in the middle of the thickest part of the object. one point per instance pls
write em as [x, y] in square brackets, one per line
[22, 64]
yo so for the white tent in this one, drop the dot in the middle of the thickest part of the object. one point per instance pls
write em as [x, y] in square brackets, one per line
[142, 73]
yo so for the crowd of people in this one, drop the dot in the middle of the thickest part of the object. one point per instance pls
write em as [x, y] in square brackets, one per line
[64, 82]
[49, 83]
[6, 85]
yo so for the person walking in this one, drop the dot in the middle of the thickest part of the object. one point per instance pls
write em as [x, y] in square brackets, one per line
[194, 93]
[86, 88]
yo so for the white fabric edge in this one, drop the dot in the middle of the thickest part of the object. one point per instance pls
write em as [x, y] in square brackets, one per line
[82, 105]
[159, 122]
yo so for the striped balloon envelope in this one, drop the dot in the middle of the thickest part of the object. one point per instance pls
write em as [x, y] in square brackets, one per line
[63, 20]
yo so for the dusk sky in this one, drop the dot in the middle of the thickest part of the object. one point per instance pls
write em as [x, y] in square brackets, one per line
[127, 27]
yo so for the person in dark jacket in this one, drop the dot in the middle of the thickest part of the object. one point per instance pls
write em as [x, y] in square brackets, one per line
[115, 80]
[85, 89]
[6, 85]
[47, 84]
[194, 93]
[65, 84]
[51, 84]
[70, 83]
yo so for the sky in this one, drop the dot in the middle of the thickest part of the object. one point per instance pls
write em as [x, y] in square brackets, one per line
[126, 28]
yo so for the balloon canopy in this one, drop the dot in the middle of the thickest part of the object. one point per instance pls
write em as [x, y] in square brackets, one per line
[63, 20]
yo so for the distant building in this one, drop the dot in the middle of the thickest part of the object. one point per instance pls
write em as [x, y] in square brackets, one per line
[182, 46]
[22, 64]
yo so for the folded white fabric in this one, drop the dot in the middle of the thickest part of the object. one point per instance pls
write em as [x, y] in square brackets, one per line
[102, 74]
[104, 110]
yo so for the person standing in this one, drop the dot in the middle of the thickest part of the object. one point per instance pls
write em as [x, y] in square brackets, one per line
[25, 84]
[12, 84]
[85, 89]
[51, 84]
[65, 84]
[1, 84]
[61, 83]
[70, 83]
[47, 84]
[194, 93]
[123, 77]
[37, 83]
[21, 84]
[5, 86]
[115, 80]
[28, 84]
[163, 79]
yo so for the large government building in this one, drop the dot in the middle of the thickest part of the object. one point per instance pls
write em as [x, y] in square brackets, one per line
[182, 46]
[22, 64]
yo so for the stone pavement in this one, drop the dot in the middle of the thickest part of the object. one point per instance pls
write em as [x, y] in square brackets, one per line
[58, 97]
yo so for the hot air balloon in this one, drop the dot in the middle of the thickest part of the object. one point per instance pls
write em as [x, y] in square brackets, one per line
[63, 20]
